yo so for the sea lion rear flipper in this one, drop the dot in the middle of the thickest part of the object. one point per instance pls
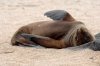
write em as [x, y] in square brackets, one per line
[59, 15]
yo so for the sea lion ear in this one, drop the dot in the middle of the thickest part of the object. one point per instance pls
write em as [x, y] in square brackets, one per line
[59, 15]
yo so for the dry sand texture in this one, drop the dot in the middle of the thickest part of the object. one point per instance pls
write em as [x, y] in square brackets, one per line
[16, 13]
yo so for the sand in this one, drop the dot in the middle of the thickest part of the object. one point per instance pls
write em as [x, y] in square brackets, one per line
[16, 13]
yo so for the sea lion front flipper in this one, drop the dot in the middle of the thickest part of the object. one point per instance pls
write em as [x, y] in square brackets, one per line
[45, 41]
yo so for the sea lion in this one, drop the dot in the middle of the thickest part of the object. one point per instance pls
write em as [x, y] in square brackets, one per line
[59, 33]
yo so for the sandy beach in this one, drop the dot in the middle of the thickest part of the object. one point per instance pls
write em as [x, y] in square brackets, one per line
[16, 13]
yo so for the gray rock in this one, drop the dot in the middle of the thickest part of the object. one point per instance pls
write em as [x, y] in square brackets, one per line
[97, 36]
[95, 45]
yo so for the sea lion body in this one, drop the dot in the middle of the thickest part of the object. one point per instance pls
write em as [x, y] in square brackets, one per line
[58, 31]
[64, 31]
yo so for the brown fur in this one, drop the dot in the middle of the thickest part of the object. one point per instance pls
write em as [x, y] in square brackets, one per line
[53, 34]
[68, 18]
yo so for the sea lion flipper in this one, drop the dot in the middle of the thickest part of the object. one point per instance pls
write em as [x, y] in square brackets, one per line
[44, 41]
[59, 15]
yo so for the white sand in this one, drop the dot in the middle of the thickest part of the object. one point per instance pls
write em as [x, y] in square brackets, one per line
[16, 13]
